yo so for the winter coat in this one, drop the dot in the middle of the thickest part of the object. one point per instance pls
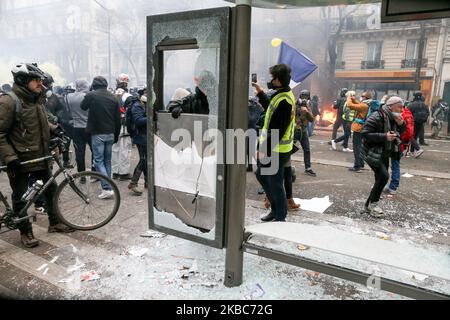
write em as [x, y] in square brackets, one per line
[374, 134]
[408, 134]
[74, 100]
[419, 111]
[104, 110]
[140, 123]
[194, 103]
[362, 109]
[24, 136]
[302, 119]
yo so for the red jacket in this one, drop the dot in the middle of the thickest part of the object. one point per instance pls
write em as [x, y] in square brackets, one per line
[408, 135]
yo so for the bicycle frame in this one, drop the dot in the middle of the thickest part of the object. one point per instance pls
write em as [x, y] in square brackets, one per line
[60, 170]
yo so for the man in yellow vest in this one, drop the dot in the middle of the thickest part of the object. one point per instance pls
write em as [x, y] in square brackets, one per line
[276, 139]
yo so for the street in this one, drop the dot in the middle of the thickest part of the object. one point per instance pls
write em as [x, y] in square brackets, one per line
[130, 266]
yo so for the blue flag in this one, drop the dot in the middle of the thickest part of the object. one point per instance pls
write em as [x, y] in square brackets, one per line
[301, 65]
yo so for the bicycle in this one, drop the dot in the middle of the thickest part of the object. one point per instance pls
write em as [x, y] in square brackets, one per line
[76, 191]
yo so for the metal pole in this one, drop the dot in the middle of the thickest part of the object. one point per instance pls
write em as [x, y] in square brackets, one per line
[109, 49]
[238, 119]
[420, 55]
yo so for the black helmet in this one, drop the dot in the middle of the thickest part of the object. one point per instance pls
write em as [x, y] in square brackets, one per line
[24, 72]
[305, 94]
[417, 94]
[344, 92]
[48, 81]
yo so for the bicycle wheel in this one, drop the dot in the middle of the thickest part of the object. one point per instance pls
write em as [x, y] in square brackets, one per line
[84, 204]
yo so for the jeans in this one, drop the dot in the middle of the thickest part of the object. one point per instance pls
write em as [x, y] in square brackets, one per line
[141, 166]
[395, 176]
[19, 185]
[102, 148]
[311, 128]
[347, 133]
[80, 139]
[336, 126]
[418, 126]
[357, 142]
[381, 179]
[304, 141]
[422, 134]
[287, 177]
[274, 188]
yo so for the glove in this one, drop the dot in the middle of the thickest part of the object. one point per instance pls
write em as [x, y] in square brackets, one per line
[176, 112]
[59, 132]
[13, 166]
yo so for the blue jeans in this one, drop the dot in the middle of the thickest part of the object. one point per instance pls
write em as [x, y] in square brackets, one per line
[102, 149]
[395, 177]
[311, 128]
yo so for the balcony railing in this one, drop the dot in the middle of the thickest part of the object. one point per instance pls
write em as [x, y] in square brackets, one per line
[340, 65]
[376, 64]
[412, 63]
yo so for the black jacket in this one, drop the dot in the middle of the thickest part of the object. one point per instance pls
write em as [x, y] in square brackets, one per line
[375, 130]
[104, 112]
[419, 111]
[280, 120]
[194, 103]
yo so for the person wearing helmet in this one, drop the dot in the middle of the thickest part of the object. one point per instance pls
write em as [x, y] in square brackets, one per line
[25, 135]
[339, 106]
[420, 114]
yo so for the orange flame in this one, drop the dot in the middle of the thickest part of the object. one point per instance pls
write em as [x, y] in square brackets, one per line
[329, 116]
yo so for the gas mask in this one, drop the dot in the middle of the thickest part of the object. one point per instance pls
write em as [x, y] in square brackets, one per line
[144, 99]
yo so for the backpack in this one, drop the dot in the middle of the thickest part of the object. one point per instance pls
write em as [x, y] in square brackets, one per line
[129, 123]
[17, 102]
[374, 105]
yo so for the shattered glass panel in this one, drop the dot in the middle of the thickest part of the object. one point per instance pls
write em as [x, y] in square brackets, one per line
[185, 149]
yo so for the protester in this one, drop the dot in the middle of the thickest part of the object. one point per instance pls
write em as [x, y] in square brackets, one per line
[25, 135]
[316, 112]
[420, 113]
[348, 116]
[280, 116]
[104, 127]
[381, 138]
[339, 106]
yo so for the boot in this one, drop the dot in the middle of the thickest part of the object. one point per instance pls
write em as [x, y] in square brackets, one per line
[266, 203]
[60, 228]
[28, 240]
[134, 188]
[292, 205]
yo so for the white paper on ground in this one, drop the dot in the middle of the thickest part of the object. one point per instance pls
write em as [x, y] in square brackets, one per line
[407, 175]
[319, 205]
[137, 251]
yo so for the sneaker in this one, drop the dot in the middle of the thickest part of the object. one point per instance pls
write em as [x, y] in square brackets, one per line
[60, 228]
[356, 170]
[333, 145]
[40, 210]
[347, 150]
[424, 144]
[28, 239]
[418, 153]
[106, 194]
[134, 188]
[374, 210]
[310, 172]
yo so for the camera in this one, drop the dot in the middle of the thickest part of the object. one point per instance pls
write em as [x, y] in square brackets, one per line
[303, 102]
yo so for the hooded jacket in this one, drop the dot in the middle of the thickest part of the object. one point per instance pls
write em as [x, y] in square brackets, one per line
[419, 111]
[103, 110]
[74, 100]
[24, 136]
[362, 109]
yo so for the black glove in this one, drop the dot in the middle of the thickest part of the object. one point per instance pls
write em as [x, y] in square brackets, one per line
[176, 112]
[59, 132]
[13, 166]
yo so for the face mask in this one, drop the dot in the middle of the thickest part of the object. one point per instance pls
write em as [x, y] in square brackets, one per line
[270, 85]
[144, 99]
[396, 114]
[49, 93]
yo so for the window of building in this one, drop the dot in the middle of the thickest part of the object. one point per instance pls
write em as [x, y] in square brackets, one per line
[412, 49]
[339, 51]
[374, 51]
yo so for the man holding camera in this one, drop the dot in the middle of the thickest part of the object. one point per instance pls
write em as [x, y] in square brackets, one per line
[303, 117]
[381, 134]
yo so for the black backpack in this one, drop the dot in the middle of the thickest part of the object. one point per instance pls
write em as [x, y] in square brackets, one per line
[129, 123]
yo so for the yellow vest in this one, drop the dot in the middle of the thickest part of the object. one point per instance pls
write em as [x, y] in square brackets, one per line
[287, 141]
